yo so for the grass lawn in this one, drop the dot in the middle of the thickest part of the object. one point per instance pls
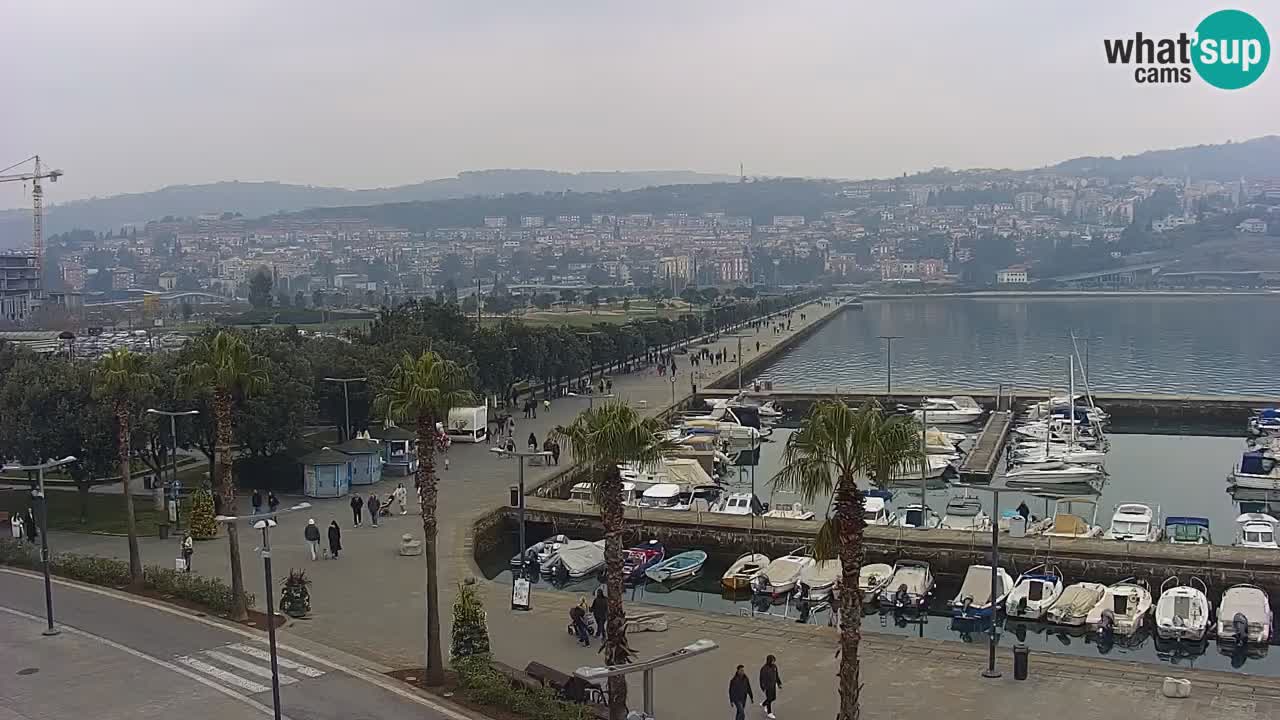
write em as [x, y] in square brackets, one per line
[106, 512]
[583, 317]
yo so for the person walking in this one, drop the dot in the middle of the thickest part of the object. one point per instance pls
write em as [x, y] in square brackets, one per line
[312, 534]
[256, 501]
[273, 502]
[29, 524]
[578, 614]
[740, 693]
[188, 550]
[770, 681]
[374, 507]
[555, 452]
[400, 495]
[335, 539]
[357, 509]
[533, 443]
[600, 611]
[546, 405]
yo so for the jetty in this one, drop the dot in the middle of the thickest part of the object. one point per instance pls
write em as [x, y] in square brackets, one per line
[982, 461]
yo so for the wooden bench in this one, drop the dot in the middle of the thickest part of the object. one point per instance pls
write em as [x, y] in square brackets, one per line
[569, 687]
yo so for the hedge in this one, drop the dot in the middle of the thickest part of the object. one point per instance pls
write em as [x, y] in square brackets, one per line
[483, 685]
[211, 593]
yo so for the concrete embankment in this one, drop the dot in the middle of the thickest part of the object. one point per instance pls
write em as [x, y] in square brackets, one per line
[947, 551]
[753, 366]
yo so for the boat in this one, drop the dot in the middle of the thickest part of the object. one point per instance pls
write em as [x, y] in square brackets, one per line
[636, 560]
[686, 564]
[743, 503]
[958, 410]
[1061, 454]
[743, 571]
[820, 579]
[975, 599]
[1035, 591]
[875, 511]
[540, 552]
[935, 466]
[1182, 612]
[1244, 617]
[1257, 470]
[789, 511]
[578, 558]
[917, 516]
[908, 587]
[781, 576]
[965, 513]
[1073, 605]
[1187, 530]
[1257, 530]
[702, 498]
[1059, 432]
[585, 493]
[1065, 474]
[1134, 522]
[872, 579]
[1060, 407]
[937, 442]
[724, 430]
[1122, 610]
[1265, 422]
[663, 496]
[1069, 519]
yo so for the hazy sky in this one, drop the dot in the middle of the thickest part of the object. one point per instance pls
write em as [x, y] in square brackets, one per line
[131, 95]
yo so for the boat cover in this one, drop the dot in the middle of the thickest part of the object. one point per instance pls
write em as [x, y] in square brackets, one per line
[581, 556]
[1079, 600]
[977, 586]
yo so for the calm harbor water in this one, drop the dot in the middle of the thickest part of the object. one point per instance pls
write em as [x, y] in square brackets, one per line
[1225, 344]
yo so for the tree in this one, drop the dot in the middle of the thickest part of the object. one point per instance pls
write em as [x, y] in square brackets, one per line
[601, 439]
[544, 301]
[226, 367]
[260, 289]
[299, 299]
[470, 634]
[186, 310]
[833, 447]
[119, 377]
[317, 298]
[569, 295]
[423, 389]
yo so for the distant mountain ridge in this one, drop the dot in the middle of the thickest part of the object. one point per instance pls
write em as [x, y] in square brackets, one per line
[1228, 161]
[255, 199]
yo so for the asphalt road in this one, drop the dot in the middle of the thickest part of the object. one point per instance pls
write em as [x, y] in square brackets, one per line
[119, 659]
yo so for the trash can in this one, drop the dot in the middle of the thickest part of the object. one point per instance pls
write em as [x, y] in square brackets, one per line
[164, 530]
[1021, 658]
[515, 496]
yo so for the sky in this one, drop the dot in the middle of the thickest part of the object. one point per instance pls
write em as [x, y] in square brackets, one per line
[133, 95]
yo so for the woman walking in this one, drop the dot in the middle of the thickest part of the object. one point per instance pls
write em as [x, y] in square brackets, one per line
[335, 539]
[188, 550]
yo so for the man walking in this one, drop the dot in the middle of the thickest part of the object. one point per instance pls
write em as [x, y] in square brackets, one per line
[770, 681]
[357, 509]
[256, 501]
[312, 534]
[374, 507]
[740, 693]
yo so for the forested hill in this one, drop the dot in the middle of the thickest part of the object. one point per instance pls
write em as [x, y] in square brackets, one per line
[1229, 161]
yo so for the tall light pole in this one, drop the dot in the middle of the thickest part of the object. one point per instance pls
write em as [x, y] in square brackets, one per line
[520, 455]
[173, 435]
[265, 524]
[346, 403]
[888, 364]
[739, 360]
[38, 495]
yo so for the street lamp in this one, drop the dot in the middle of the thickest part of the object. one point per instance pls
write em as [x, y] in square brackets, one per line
[265, 523]
[520, 455]
[346, 403]
[173, 433]
[739, 360]
[888, 364]
[38, 494]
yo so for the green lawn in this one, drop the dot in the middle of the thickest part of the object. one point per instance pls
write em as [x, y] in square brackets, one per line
[106, 512]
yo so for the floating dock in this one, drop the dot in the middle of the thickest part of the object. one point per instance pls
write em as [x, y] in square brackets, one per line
[983, 459]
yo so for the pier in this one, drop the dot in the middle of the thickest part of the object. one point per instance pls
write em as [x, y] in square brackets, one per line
[980, 464]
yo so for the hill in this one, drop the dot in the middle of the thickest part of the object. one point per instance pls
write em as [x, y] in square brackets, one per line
[1229, 161]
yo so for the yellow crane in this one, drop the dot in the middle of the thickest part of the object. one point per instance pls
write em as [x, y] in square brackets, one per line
[37, 201]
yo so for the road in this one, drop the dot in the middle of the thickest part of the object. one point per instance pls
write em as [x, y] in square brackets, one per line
[118, 658]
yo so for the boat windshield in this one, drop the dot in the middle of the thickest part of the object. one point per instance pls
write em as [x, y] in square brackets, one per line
[1189, 533]
[1182, 607]
[914, 518]
[1137, 529]
[1259, 536]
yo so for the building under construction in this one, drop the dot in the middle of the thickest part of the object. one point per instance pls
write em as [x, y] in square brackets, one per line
[20, 287]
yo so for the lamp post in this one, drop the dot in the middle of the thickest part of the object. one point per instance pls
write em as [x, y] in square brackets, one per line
[38, 495]
[739, 360]
[673, 389]
[173, 434]
[520, 455]
[346, 402]
[888, 364]
[265, 524]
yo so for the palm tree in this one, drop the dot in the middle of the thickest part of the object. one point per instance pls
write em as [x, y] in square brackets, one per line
[600, 439]
[423, 390]
[225, 366]
[119, 377]
[833, 448]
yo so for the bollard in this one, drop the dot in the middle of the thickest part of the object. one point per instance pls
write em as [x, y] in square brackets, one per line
[1021, 658]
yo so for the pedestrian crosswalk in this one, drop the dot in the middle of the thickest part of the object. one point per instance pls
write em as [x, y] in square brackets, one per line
[245, 667]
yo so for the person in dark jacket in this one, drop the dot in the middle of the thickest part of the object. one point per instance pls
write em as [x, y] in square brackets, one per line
[770, 681]
[273, 502]
[312, 534]
[357, 507]
[256, 501]
[578, 616]
[600, 611]
[740, 693]
[374, 506]
[335, 539]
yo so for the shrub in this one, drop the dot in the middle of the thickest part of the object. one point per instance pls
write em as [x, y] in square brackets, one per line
[17, 553]
[486, 686]
[209, 592]
[91, 569]
[470, 635]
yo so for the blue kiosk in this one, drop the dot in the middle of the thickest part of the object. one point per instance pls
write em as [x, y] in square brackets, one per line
[366, 459]
[326, 473]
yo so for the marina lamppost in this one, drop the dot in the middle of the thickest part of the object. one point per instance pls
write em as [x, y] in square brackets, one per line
[173, 435]
[520, 579]
[38, 496]
[346, 402]
[888, 364]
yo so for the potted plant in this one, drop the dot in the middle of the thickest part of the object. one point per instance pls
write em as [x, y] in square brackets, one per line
[295, 598]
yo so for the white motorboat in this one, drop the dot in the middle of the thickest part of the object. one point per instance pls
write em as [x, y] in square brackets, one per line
[1060, 407]
[958, 410]
[540, 552]
[1057, 432]
[820, 578]
[741, 503]
[1257, 530]
[585, 493]
[909, 586]
[934, 467]
[789, 511]
[917, 516]
[1265, 422]
[1244, 617]
[579, 558]
[1182, 612]
[1073, 605]
[781, 576]
[663, 496]
[1257, 470]
[965, 513]
[876, 512]
[937, 442]
[1123, 608]
[677, 567]
[1064, 475]
[743, 571]
[1035, 592]
[1060, 454]
[1134, 522]
[872, 579]
[725, 430]
[1187, 530]
[1073, 517]
[975, 599]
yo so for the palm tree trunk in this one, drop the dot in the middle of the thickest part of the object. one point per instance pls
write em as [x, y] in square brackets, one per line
[851, 521]
[126, 480]
[227, 489]
[616, 650]
[425, 480]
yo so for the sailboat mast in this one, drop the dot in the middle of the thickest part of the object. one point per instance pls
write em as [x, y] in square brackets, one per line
[1071, 398]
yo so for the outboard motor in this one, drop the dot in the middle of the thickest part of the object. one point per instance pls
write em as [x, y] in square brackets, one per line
[901, 598]
[1240, 626]
[1022, 605]
[1107, 626]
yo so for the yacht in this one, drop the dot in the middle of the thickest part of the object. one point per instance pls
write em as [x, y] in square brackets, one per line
[1065, 474]
[789, 511]
[965, 513]
[1182, 612]
[781, 576]
[917, 516]
[1186, 530]
[1073, 605]
[935, 466]
[1056, 431]
[1258, 470]
[1038, 455]
[872, 579]
[958, 410]
[1134, 522]
[1122, 610]
[1257, 530]
[909, 586]
[1073, 517]
[1060, 407]
[876, 512]
[975, 599]
[740, 503]
[1035, 592]
[1244, 617]
[663, 496]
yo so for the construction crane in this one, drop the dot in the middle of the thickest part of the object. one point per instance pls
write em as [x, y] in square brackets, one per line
[37, 202]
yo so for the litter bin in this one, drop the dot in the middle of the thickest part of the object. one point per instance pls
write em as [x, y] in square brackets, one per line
[164, 530]
[1021, 658]
[515, 495]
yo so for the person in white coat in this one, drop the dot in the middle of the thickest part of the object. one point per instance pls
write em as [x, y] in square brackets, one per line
[400, 495]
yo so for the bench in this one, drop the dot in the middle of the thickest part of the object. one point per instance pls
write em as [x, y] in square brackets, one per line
[570, 687]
